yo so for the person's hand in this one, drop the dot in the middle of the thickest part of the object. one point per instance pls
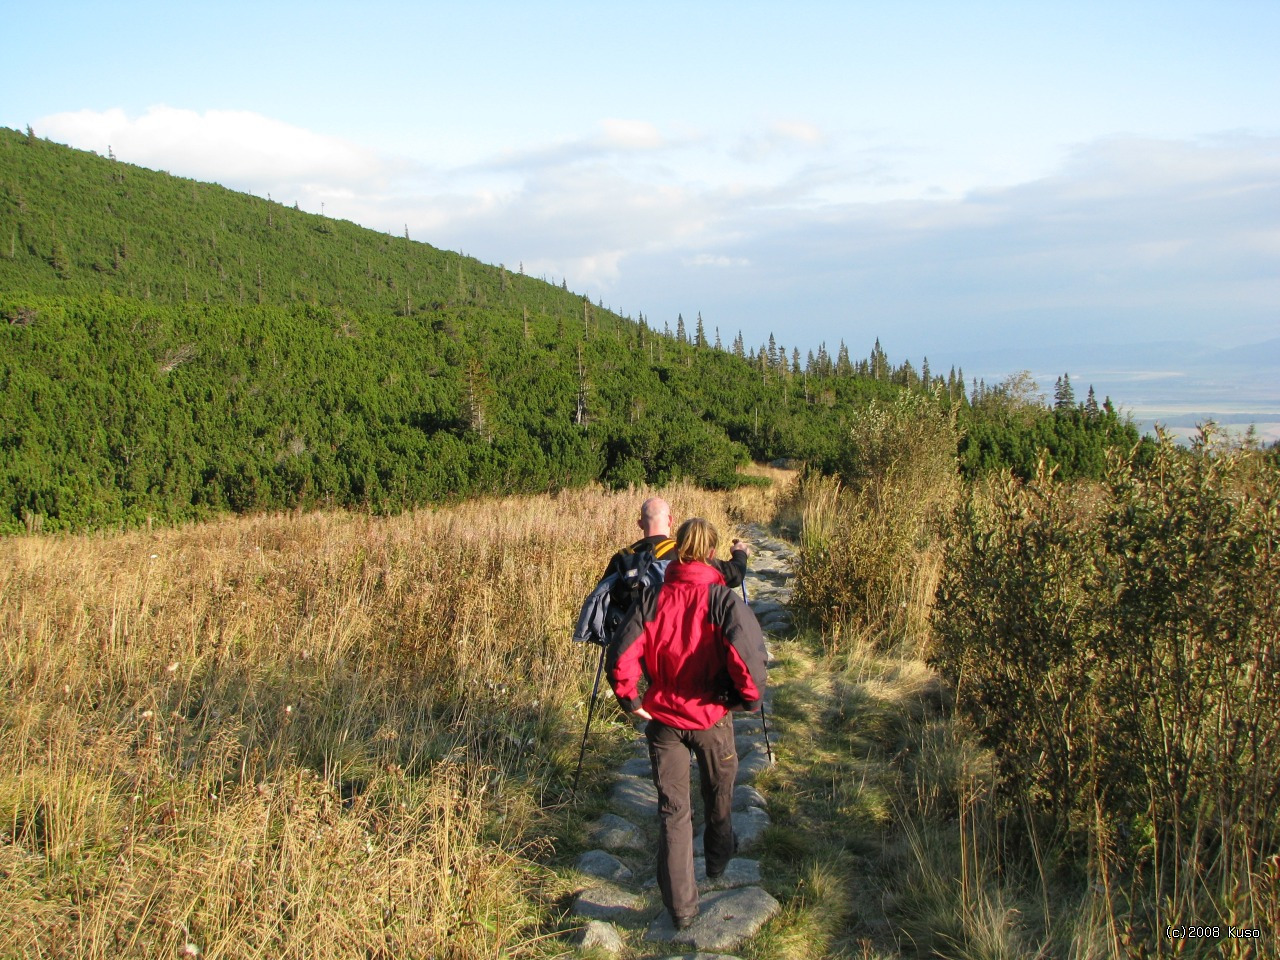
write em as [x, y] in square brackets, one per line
[741, 545]
[643, 714]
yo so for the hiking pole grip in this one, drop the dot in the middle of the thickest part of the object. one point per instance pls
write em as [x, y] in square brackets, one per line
[582, 750]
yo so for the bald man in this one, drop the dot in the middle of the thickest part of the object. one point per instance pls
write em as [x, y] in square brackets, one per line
[655, 524]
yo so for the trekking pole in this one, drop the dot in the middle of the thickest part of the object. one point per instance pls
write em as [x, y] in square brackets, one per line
[582, 751]
[768, 748]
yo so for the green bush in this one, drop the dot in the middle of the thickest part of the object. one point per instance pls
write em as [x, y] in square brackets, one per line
[1119, 650]
[870, 533]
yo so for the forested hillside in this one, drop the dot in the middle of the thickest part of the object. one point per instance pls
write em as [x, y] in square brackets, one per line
[172, 349]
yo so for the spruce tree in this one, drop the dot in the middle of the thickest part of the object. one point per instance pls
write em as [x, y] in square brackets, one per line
[843, 367]
[1091, 403]
[879, 363]
[1064, 398]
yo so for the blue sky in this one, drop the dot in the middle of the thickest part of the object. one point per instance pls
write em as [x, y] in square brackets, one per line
[1088, 187]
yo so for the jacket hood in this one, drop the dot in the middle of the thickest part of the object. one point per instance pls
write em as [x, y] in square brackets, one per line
[693, 572]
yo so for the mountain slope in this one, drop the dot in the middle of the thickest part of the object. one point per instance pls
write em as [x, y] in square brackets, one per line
[173, 348]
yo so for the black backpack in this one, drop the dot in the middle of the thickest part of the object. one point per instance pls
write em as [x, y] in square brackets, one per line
[609, 603]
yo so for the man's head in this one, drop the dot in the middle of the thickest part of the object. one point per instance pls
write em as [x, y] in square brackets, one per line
[655, 517]
[696, 540]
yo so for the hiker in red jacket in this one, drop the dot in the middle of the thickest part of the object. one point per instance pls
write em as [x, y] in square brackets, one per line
[702, 651]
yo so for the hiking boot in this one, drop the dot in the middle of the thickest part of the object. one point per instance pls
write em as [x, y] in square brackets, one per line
[684, 923]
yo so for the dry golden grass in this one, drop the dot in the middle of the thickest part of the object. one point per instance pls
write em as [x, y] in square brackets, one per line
[320, 735]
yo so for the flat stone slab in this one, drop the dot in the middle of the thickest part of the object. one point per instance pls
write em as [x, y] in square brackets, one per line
[606, 866]
[744, 723]
[637, 767]
[763, 608]
[725, 919]
[753, 740]
[764, 565]
[614, 833]
[598, 935]
[740, 872]
[749, 826]
[745, 795]
[607, 902]
[752, 764]
[635, 797]
[701, 956]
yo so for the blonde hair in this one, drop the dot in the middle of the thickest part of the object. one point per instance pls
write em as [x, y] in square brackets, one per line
[696, 540]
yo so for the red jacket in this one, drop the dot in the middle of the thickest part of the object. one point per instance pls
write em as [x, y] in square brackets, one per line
[698, 644]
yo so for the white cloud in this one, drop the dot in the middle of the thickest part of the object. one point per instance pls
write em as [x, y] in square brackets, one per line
[631, 135]
[233, 147]
[712, 260]
[779, 137]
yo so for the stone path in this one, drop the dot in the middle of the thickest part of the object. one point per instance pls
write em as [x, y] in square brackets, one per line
[622, 892]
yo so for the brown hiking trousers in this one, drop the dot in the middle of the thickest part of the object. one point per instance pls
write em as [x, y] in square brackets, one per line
[717, 767]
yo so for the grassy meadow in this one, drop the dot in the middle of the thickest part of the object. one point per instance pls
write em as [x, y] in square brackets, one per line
[299, 735]
[323, 735]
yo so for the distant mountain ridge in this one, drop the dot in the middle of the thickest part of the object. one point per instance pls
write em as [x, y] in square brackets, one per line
[1243, 380]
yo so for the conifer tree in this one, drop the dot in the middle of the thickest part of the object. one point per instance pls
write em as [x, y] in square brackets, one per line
[476, 401]
[580, 414]
[824, 360]
[878, 362]
[843, 367]
[700, 333]
[1064, 398]
[739, 348]
[681, 335]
